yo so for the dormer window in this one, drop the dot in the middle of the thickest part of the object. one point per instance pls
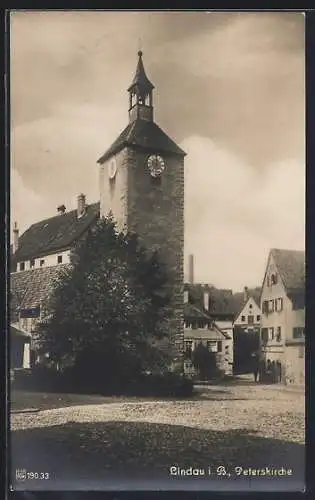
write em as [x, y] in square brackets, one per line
[32, 263]
[22, 266]
[59, 259]
[41, 262]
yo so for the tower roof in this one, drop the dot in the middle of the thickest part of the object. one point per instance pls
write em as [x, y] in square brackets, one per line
[141, 84]
[147, 135]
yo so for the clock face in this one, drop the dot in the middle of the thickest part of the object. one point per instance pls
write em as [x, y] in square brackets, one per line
[156, 165]
[112, 168]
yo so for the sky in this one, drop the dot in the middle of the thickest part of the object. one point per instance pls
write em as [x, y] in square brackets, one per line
[229, 89]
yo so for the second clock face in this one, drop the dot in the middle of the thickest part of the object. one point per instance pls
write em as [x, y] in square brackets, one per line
[156, 165]
[112, 168]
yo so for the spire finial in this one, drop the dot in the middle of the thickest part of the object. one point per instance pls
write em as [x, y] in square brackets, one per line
[139, 47]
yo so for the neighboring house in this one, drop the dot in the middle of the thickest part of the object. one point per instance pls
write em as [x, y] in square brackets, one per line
[246, 329]
[220, 306]
[199, 327]
[49, 242]
[248, 316]
[39, 258]
[283, 316]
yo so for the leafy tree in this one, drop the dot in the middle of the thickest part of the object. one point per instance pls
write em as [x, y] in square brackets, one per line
[205, 362]
[109, 308]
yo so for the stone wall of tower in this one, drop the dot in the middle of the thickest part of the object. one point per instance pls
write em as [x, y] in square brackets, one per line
[156, 213]
[114, 193]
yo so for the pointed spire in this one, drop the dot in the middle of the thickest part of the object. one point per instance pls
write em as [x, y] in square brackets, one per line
[141, 85]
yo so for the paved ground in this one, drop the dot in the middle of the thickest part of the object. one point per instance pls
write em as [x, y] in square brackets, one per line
[240, 425]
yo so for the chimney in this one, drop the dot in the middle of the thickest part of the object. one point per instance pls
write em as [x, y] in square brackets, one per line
[81, 205]
[206, 298]
[245, 293]
[61, 209]
[191, 269]
[15, 243]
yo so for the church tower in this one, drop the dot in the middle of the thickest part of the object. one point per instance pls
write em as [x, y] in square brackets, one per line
[142, 185]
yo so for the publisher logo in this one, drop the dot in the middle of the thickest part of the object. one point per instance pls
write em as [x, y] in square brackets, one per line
[20, 474]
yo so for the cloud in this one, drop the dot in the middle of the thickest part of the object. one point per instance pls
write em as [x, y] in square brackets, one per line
[27, 206]
[57, 155]
[231, 84]
[233, 216]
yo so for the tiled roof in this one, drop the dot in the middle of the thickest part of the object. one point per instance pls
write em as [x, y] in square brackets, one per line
[29, 288]
[191, 311]
[54, 234]
[203, 334]
[291, 266]
[221, 302]
[16, 331]
[145, 134]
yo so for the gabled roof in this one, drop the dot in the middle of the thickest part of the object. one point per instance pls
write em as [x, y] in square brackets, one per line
[55, 233]
[240, 303]
[29, 288]
[212, 333]
[291, 266]
[145, 134]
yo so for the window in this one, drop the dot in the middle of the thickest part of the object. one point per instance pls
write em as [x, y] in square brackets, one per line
[188, 345]
[265, 306]
[270, 306]
[268, 281]
[59, 259]
[243, 318]
[22, 266]
[301, 352]
[258, 317]
[298, 332]
[264, 334]
[271, 333]
[220, 346]
[156, 180]
[32, 263]
[251, 320]
[279, 304]
[250, 306]
[278, 337]
[41, 262]
[212, 345]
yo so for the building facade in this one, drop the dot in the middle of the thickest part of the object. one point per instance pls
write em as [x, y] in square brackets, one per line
[248, 318]
[201, 329]
[41, 255]
[142, 187]
[283, 316]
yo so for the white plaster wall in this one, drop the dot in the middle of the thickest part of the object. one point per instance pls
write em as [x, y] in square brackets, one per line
[249, 309]
[49, 260]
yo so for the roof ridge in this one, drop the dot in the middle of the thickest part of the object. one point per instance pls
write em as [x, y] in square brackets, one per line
[89, 205]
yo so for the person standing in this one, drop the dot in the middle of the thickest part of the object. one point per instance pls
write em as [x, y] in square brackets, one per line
[255, 366]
